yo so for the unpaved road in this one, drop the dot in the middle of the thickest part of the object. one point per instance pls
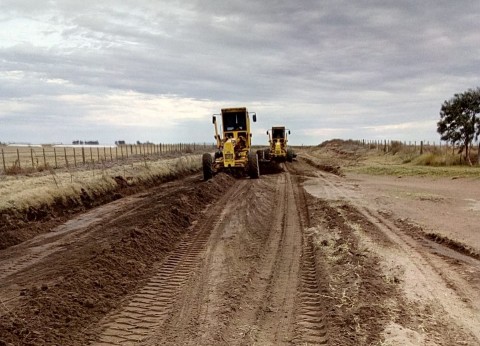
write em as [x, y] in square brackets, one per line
[301, 257]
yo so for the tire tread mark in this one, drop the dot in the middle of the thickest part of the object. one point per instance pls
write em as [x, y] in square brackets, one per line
[310, 322]
[146, 312]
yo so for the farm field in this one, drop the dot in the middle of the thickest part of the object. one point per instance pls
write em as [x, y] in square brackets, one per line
[326, 251]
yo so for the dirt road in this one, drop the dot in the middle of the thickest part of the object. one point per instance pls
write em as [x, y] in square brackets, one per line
[299, 257]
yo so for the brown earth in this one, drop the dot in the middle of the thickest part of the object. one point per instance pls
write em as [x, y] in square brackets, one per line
[303, 256]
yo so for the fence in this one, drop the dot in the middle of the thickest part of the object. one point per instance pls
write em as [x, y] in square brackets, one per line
[421, 147]
[37, 158]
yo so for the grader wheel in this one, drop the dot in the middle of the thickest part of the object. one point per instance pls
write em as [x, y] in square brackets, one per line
[207, 166]
[289, 155]
[253, 167]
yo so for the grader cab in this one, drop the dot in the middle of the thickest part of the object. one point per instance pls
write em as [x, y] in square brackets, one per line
[278, 149]
[234, 154]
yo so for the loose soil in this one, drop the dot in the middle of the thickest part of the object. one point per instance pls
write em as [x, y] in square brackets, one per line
[301, 256]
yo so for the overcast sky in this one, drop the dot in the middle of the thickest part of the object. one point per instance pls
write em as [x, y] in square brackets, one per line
[158, 70]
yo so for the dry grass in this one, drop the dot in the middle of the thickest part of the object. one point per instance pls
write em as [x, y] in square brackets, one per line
[21, 192]
[400, 160]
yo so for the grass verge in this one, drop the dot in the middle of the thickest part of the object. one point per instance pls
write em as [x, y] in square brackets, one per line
[47, 199]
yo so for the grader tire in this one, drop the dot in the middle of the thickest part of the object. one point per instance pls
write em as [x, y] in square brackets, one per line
[253, 167]
[207, 166]
[289, 155]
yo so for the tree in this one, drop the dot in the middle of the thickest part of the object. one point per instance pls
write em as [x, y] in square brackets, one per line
[459, 120]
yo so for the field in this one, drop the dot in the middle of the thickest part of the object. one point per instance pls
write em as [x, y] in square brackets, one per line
[344, 246]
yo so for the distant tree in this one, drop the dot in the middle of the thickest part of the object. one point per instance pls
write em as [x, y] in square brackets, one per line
[460, 121]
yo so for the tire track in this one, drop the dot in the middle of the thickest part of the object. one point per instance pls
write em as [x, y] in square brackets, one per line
[311, 326]
[153, 304]
[277, 308]
[426, 271]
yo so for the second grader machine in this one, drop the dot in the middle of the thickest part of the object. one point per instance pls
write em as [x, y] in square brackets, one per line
[234, 154]
[278, 150]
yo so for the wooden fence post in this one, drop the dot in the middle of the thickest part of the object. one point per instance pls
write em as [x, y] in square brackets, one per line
[421, 147]
[4, 165]
[31, 154]
[55, 154]
[74, 157]
[83, 154]
[18, 159]
[91, 155]
[66, 159]
[44, 159]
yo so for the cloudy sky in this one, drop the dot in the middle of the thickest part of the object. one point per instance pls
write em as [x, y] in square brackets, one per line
[157, 70]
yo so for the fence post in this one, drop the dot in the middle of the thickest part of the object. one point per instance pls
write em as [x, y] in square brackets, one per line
[111, 155]
[121, 151]
[74, 157]
[98, 154]
[31, 154]
[4, 165]
[18, 159]
[116, 153]
[83, 154]
[55, 153]
[421, 147]
[66, 159]
[91, 155]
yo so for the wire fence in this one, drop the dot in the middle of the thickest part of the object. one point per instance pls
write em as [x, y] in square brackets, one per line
[25, 159]
[420, 147]
[417, 146]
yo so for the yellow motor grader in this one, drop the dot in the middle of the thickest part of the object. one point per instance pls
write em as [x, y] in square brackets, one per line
[234, 154]
[278, 150]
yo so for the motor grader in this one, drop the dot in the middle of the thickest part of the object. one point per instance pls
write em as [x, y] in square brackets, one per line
[278, 150]
[234, 154]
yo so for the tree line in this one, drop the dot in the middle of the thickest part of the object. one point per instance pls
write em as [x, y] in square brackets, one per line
[459, 121]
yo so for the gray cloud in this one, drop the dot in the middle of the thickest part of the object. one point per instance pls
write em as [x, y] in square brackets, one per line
[333, 65]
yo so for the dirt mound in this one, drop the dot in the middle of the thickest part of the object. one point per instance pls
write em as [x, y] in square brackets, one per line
[73, 289]
[323, 167]
[18, 226]
[418, 232]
